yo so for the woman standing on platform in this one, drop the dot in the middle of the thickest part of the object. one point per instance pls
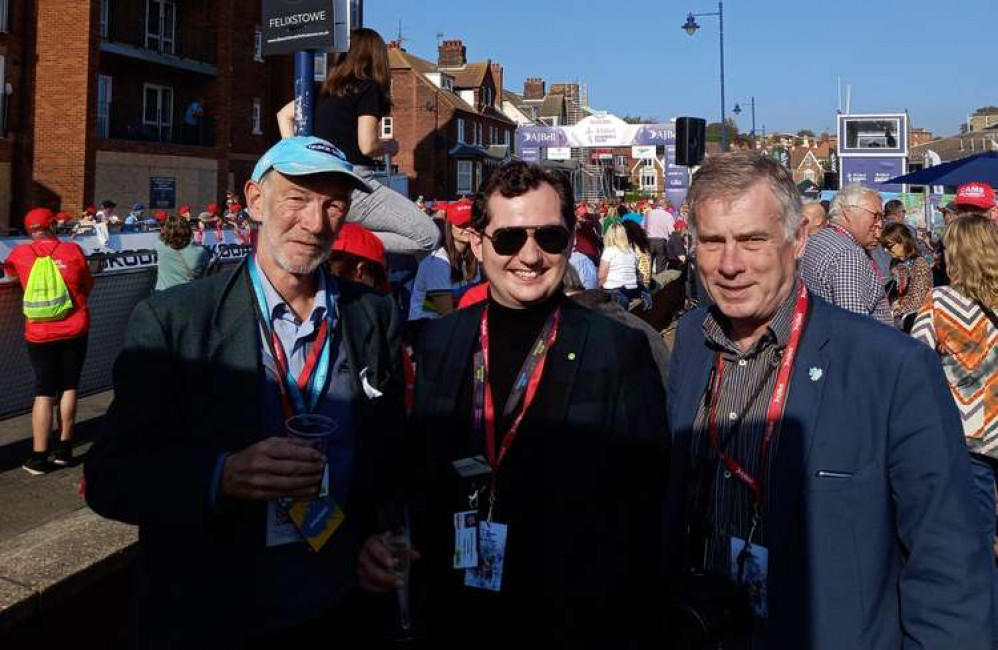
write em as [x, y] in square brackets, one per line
[353, 99]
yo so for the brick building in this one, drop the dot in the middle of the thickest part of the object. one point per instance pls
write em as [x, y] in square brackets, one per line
[107, 102]
[447, 119]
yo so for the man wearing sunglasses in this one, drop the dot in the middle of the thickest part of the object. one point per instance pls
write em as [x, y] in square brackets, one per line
[837, 263]
[546, 421]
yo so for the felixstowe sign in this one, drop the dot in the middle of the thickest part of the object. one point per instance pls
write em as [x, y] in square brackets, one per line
[295, 25]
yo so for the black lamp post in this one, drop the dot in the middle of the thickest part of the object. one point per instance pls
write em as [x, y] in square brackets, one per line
[691, 27]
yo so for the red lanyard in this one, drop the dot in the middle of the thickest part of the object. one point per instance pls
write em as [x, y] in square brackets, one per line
[304, 377]
[527, 382]
[848, 235]
[774, 413]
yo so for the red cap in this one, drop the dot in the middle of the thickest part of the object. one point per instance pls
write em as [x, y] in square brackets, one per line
[212, 208]
[91, 209]
[62, 216]
[184, 209]
[459, 213]
[38, 219]
[581, 210]
[235, 207]
[360, 242]
[159, 215]
[978, 195]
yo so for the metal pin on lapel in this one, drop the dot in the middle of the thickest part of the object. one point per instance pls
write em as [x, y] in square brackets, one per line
[815, 374]
[571, 356]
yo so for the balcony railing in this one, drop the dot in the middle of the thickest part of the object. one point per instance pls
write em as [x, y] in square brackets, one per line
[201, 135]
[189, 44]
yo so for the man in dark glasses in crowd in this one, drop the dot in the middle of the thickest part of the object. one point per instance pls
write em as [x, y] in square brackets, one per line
[542, 446]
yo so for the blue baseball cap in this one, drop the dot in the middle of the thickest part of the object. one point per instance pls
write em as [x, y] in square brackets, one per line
[137, 207]
[304, 156]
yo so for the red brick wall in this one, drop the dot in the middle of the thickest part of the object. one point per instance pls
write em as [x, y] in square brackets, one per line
[64, 110]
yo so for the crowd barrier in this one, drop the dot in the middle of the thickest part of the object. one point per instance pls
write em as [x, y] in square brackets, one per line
[118, 287]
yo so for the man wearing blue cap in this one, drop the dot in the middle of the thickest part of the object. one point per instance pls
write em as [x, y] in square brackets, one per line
[249, 537]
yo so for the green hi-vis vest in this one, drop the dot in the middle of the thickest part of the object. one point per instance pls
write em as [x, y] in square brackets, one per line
[46, 296]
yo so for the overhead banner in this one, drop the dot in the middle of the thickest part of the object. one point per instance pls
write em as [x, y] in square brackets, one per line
[295, 25]
[596, 131]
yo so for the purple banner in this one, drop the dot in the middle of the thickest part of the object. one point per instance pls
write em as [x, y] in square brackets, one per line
[677, 177]
[871, 172]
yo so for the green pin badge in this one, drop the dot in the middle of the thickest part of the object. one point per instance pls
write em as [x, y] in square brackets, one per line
[571, 356]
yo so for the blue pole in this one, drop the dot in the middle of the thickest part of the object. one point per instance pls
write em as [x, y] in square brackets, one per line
[304, 92]
[724, 115]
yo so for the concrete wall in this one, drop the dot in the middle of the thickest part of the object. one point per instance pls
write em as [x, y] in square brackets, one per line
[124, 178]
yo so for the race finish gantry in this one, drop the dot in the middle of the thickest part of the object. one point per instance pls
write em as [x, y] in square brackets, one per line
[591, 150]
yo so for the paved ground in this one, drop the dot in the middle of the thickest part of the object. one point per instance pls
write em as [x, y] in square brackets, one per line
[56, 551]
[27, 501]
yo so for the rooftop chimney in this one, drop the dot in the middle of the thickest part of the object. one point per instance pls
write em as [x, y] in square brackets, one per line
[452, 54]
[533, 88]
[497, 75]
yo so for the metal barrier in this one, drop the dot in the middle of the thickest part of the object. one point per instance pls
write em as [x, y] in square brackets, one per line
[111, 303]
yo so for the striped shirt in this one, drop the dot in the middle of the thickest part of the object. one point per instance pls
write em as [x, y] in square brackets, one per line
[836, 268]
[747, 384]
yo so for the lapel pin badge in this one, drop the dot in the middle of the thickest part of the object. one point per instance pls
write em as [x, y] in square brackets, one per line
[815, 374]
[571, 356]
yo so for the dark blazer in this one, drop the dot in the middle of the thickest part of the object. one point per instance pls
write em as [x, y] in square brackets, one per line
[580, 489]
[876, 541]
[188, 387]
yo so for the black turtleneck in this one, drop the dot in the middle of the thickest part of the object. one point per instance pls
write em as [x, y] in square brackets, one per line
[512, 332]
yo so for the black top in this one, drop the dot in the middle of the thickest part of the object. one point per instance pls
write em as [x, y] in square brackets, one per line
[512, 333]
[336, 118]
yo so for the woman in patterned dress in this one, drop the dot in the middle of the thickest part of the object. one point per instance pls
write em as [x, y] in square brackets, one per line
[959, 322]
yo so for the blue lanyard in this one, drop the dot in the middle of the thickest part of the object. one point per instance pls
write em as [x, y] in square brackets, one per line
[317, 383]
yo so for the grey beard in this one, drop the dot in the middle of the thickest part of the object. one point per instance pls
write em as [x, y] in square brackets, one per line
[306, 269]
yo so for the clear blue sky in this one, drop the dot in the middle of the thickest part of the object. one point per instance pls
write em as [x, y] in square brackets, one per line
[934, 57]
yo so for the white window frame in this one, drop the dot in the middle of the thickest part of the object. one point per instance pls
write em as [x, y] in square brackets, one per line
[257, 116]
[387, 128]
[105, 93]
[506, 136]
[460, 130]
[257, 44]
[320, 66]
[809, 174]
[163, 44]
[162, 123]
[465, 170]
[649, 173]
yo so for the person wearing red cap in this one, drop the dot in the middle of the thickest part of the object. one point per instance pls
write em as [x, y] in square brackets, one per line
[56, 348]
[444, 276]
[971, 198]
[358, 255]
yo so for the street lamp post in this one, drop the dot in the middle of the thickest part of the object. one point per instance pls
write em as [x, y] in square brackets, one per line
[691, 27]
[737, 110]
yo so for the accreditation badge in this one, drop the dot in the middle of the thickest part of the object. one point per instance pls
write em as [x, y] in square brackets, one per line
[750, 568]
[491, 557]
[466, 539]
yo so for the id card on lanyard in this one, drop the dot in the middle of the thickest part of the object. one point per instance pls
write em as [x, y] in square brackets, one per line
[749, 562]
[311, 520]
[492, 536]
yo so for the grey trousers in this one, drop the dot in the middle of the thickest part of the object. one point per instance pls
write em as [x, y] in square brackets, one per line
[401, 226]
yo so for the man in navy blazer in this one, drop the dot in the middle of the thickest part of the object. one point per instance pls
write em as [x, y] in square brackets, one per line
[850, 522]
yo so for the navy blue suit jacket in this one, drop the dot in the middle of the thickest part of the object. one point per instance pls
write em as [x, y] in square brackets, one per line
[875, 538]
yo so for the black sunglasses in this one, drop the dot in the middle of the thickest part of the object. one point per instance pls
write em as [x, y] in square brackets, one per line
[509, 241]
